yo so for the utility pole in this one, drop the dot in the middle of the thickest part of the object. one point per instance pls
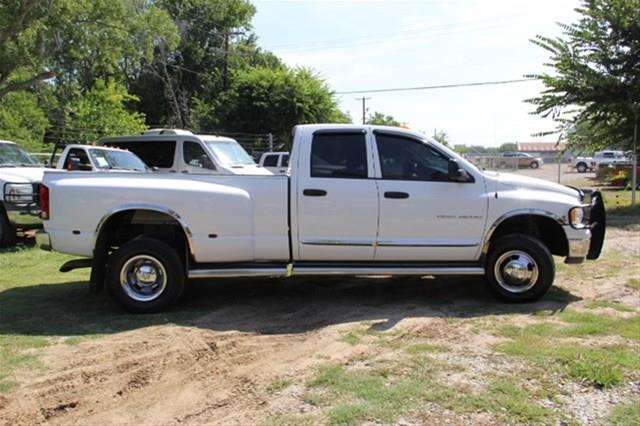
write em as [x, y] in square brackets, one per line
[364, 108]
[225, 66]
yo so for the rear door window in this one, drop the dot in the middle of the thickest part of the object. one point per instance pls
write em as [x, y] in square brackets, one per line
[336, 155]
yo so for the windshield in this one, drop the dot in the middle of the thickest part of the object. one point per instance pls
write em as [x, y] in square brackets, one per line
[116, 160]
[230, 152]
[15, 156]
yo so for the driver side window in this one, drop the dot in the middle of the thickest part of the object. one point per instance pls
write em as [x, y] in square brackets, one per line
[195, 156]
[402, 158]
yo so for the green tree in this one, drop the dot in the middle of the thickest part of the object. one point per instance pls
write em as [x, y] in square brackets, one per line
[77, 41]
[508, 147]
[266, 100]
[383, 120]
[595, 84]
[22, 120]
[101, 112]
[215, 40]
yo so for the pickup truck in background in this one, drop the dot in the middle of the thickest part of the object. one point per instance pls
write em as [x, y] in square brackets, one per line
[180, 151]
[360, 200]
[582, 164]
[99, 158]
[275, 162]
[20, 177]
[609, 157]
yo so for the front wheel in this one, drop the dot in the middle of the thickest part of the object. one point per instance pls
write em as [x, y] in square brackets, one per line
[582, 168]
[145, 275]
[519, 268]
[7, 233]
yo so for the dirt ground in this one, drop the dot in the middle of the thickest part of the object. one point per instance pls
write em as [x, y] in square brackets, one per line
[222, 366]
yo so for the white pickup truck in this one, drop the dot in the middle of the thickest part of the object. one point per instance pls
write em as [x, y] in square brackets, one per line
[20, 177]
[360, 200]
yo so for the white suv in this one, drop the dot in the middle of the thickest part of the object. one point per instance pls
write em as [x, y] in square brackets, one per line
[180, 151]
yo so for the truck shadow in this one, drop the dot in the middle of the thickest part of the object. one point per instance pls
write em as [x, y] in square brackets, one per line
[263, 306]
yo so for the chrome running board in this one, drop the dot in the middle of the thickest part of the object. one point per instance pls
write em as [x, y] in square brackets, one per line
[334, 270]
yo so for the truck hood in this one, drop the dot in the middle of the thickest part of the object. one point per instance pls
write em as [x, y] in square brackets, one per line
[21, 174]
[513, 181]
[248, 169]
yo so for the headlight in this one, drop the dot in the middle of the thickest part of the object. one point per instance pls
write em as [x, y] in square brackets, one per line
[18, 193]
[576, 216]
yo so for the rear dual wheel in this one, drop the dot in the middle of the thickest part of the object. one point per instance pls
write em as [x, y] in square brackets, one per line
[519, 268]
[145, 275]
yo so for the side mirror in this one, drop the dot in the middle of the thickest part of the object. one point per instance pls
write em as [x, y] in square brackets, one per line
[456, 173]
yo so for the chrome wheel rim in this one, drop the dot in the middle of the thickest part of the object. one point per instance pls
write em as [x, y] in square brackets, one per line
[516, 271]
[143, 278]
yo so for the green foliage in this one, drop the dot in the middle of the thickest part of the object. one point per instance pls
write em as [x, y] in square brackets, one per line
[265, 100]
[508, 147]
[594, 90]
[604, 366]
[101, 112]
[381, 119]
[77, 41]
[625, 415]
[22, 120]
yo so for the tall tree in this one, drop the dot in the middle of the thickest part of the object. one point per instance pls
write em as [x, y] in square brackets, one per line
[441, 136]
[595, 83]
[200, 66]
[266, 100]
[77, 41]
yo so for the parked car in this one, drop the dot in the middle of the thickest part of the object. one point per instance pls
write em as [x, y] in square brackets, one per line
[180, 151]
[360, 200]
[609, 157]
[99, 158]
[582, 164]
[275, 162]
[20, 177]
[519, 160]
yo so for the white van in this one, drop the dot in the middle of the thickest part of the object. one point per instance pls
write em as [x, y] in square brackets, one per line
[180, 151]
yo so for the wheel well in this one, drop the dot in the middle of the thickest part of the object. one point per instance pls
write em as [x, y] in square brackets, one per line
[127, 225]
[544, 228]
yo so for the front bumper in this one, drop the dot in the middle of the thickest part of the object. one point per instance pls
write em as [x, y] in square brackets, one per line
[43, 240]
[23, 216]
[587, 243]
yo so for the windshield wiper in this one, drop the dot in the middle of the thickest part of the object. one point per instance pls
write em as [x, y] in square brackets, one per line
[7, 165]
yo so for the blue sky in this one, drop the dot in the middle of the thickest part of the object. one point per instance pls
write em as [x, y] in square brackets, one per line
[372, 44]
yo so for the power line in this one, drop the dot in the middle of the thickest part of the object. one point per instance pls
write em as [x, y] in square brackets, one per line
[443, 86]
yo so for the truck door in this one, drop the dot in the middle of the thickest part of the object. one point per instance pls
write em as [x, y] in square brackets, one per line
[423, 215]
[337, 198]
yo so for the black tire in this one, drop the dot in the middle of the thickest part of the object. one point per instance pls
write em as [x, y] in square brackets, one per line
[7, 232]
[516, 250]
[534, 165]
[162, 263]
[581, 168]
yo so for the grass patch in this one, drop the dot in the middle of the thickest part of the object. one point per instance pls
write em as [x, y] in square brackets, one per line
[579, 324]
[359, 334]
[602, 367]
[376, 396]
[421, 348]
[620, 307]
[633, 283]
[278, 384]
[291, 420]
[625, 415]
